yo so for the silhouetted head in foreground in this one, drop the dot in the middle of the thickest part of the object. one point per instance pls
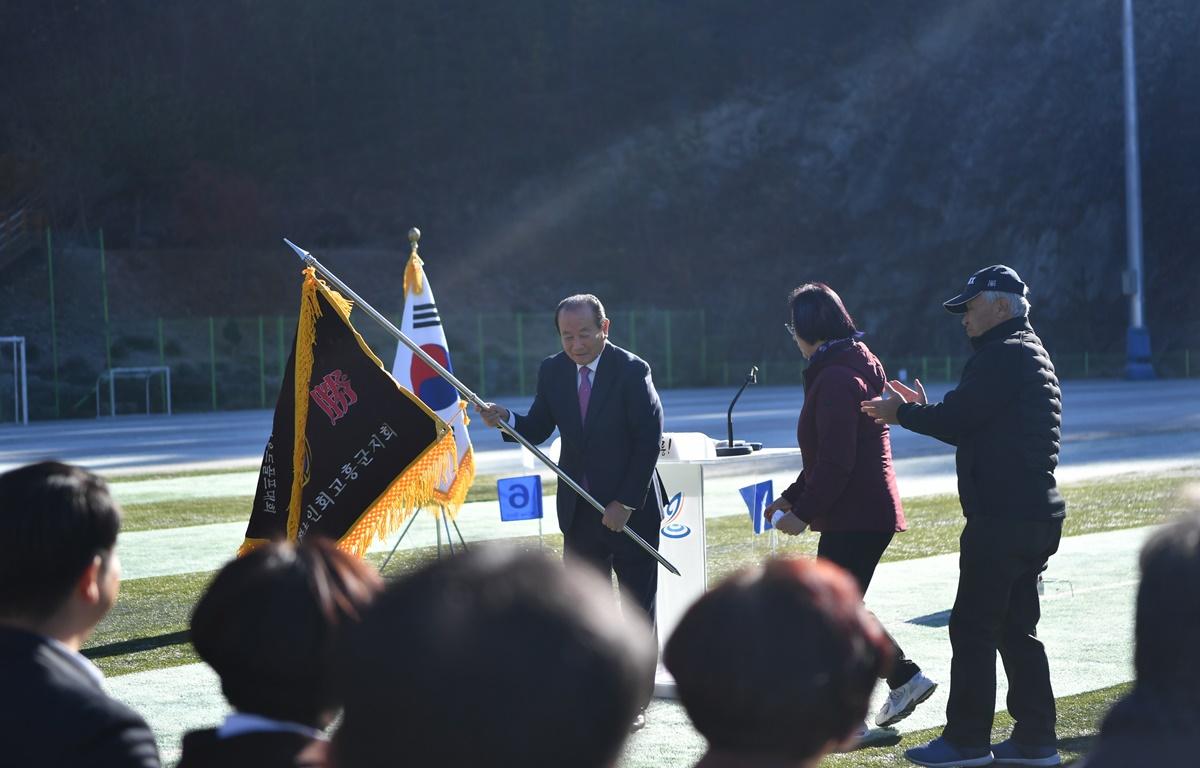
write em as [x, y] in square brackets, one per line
[1168, 611]
[752, 700]
[493, 658]
[59, 572]
[270, 626]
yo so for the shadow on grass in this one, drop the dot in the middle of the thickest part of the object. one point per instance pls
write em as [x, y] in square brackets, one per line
[938, 619]
[138, 644]
[879, 737]
[1080, 745]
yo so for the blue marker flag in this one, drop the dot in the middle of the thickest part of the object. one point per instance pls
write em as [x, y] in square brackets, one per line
[520, 497]
[757, 497]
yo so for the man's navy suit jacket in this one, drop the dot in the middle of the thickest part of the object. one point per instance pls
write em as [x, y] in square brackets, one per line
[616, 446]
[53, 714]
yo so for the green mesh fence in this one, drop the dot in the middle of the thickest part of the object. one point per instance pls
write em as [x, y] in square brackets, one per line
[224, 362]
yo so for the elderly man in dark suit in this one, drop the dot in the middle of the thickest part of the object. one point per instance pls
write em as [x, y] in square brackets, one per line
[59, 576]
[603, 402]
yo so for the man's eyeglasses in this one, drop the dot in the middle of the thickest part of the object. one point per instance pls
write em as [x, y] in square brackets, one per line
[791, 329]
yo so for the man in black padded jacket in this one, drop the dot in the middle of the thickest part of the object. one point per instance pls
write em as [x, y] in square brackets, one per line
[1004, 418]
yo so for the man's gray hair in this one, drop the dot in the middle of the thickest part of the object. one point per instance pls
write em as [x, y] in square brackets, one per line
[1018, 306]
[582, 301]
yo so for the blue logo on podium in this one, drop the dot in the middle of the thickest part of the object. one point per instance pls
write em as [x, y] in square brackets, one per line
[671, 527]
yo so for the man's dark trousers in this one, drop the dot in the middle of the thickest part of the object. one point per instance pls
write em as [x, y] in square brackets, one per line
[587, 540]
[997, 609]
[637, 572]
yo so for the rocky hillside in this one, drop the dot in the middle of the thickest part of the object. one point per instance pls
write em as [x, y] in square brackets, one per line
[709, 154]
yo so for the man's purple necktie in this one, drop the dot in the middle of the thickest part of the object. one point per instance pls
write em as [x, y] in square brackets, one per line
[585, 392]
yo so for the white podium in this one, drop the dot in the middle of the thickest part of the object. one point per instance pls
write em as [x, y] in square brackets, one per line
[686, 459]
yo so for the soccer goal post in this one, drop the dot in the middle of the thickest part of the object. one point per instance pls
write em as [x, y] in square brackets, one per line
[145, 373]
[19, 378]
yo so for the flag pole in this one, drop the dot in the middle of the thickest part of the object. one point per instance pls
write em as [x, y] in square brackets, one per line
[467, 394]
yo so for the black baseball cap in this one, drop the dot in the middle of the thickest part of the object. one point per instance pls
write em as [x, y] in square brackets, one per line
[994, 278]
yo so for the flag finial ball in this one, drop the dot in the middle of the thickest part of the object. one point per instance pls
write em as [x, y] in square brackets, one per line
[414, 235]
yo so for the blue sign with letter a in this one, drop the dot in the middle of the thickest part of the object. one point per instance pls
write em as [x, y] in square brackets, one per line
[520, 497]
[757, 497]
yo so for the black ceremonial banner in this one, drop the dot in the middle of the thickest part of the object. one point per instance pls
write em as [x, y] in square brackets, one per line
[351, 452]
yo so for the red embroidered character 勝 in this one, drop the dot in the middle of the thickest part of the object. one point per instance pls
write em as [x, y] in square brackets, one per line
[334, 395]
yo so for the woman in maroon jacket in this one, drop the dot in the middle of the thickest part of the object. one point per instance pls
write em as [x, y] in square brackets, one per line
[847, 488]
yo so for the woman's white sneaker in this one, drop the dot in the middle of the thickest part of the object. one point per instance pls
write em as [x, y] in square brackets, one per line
[903, 700]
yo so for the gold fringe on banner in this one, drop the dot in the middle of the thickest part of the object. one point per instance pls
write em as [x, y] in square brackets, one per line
[414, 488]
[249, 545]
[452, 499]
[306, 338]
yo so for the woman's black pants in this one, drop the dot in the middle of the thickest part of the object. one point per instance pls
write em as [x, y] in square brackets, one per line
[859, 552]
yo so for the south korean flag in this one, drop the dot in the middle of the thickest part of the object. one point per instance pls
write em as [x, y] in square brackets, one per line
[422, 323]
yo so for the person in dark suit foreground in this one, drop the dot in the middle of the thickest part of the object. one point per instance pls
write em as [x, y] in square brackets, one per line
[269, 625]
[1157, 722]
[492, 659]
[59, 576]
[603, 402]
[776, 665]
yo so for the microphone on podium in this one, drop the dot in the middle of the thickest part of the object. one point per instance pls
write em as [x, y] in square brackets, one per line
[731, 447]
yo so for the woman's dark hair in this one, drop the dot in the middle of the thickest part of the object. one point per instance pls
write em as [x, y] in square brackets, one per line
[270, 624]
[819, 315]
[786, 643]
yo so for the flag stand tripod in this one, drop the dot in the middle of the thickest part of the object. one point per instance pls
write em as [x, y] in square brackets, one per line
[446, 521]
[449, 538]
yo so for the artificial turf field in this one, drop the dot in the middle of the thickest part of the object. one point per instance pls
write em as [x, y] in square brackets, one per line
[145, 635]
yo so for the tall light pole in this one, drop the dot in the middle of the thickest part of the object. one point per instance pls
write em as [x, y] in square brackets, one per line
[1137, 339]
